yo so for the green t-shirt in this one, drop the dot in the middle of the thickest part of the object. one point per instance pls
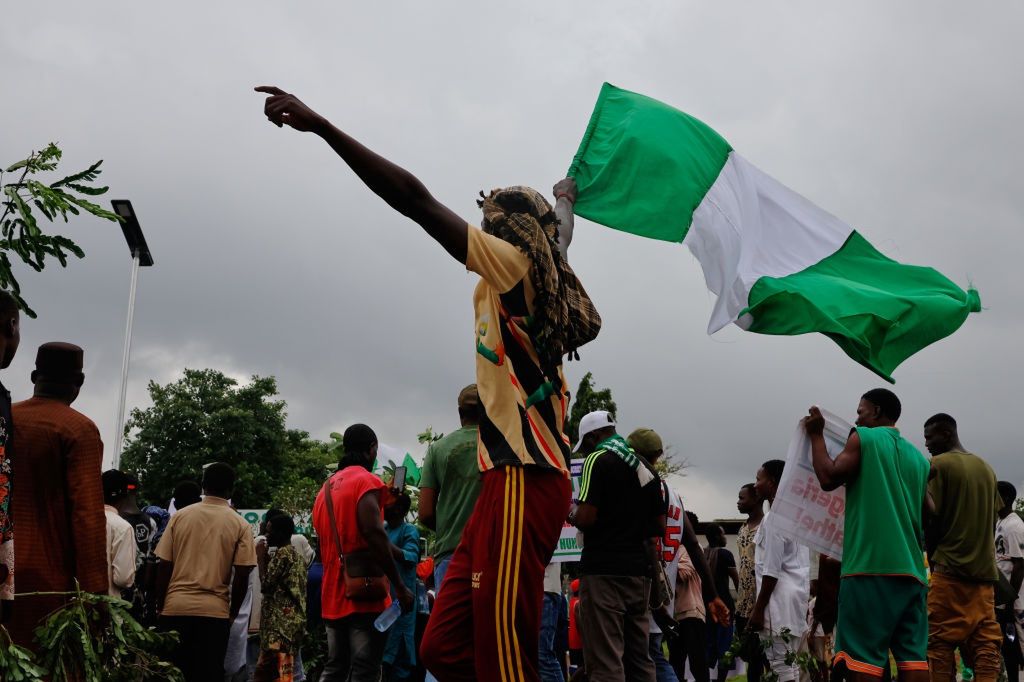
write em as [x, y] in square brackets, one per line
[882, 534]
[451, 469]
[966, 505]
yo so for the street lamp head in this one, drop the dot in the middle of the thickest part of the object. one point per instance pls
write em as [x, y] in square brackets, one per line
[132, 231]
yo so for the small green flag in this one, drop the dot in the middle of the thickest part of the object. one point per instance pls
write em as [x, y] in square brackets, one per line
[412, 470]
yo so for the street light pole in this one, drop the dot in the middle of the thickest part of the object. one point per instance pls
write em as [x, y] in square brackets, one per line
[119, 432]
[140, 258]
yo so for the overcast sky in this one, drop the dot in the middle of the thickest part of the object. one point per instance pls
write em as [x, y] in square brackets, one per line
[271, 258]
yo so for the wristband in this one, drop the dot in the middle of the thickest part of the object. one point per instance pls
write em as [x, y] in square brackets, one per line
[560, 195]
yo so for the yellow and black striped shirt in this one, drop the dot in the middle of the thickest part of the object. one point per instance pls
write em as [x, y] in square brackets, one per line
[524, 415]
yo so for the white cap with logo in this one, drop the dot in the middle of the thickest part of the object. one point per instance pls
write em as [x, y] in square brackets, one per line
[591, 422]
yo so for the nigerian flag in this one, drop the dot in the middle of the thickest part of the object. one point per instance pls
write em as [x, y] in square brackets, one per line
[777, 263]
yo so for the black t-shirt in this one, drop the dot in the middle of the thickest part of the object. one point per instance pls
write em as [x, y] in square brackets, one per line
[144, 528]
[627, 515]
[720, 560]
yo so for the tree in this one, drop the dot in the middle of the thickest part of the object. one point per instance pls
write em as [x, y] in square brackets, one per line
[19, 226]
[588, 399]
[207, 417]
[307, 464]
[671, 463]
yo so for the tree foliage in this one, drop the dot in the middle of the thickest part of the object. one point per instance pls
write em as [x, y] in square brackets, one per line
[25, 195]
[91, 637]
[588, 399]
[671, 463]
[207, 417]
[307, 463]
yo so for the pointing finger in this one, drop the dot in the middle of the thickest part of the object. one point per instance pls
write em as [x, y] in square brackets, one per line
[270, 90]
[276, 105]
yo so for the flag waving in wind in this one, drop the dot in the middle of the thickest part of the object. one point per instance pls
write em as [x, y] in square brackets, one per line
[777, 263]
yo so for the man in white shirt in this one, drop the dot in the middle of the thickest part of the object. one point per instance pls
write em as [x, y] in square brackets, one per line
[782, 569]
[1010, 560]
[120, 535]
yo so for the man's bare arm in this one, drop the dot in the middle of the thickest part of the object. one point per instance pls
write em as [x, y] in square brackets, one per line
[717, 610]
[700, 562]
[239, 586]
[831, 473]
[764, 596]
[585, 517]
[428, 511]
[565, 197]
[1017, 574]
[372, 529]
[392, 183]
[164, 570]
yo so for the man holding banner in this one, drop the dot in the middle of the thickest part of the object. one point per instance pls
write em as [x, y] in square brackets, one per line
[883, 594]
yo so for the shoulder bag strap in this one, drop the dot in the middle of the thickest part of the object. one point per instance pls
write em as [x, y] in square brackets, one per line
[328, 487]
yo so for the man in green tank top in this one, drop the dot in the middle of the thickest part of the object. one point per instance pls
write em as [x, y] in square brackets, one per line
[961, 601]
[884, 588]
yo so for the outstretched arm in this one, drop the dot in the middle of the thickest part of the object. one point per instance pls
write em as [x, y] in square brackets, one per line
[395, 185]
[831, 473]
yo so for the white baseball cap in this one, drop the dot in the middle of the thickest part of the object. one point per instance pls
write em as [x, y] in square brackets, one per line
[591, 422]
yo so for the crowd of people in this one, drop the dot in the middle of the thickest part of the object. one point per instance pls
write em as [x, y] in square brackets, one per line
[930, 581]
[930, 578]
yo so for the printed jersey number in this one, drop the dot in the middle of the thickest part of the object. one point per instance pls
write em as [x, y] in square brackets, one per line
[670, 543]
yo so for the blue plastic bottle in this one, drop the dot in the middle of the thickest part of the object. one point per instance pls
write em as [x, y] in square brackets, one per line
[388, 617]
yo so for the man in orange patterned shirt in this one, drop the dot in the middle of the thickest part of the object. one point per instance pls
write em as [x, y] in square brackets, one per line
[58, 496]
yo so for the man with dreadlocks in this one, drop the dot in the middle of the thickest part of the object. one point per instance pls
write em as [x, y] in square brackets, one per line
[530, 311]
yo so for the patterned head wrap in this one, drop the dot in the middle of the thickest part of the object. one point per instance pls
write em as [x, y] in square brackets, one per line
[564, 317]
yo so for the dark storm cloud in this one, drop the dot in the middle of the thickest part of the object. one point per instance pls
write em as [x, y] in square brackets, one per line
[271, 258]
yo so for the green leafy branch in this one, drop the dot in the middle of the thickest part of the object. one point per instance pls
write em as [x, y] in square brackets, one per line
[428, 436]
[20, 232]
[16, 662]
[92, 637]
[740, 646]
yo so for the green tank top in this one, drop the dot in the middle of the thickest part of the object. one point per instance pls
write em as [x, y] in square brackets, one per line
[882, 534]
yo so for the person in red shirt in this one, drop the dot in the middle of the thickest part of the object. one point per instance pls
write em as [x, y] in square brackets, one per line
[575, 638]
[355, 649]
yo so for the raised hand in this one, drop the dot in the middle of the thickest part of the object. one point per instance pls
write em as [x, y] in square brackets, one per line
[813, 423]
[284, 109]
[566, 188]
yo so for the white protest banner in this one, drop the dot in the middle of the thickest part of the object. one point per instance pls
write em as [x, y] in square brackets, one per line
[567, 550]
[802, 510]
[254, 517]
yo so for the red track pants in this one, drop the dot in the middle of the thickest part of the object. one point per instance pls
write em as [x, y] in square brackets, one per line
[486, 621]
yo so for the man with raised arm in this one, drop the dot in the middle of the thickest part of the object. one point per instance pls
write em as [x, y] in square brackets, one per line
[530, 310]
[884, 587]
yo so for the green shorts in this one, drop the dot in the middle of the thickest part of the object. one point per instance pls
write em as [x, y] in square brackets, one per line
[879, 614]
